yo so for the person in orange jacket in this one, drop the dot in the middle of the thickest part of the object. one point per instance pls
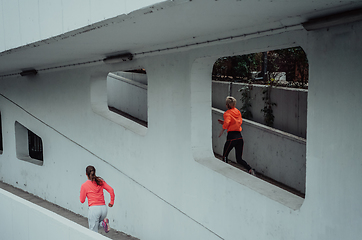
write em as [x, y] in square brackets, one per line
[93, 190]
[232, 123]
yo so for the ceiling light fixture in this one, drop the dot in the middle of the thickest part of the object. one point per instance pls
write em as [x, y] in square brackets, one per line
[31, 72]
[118, 58]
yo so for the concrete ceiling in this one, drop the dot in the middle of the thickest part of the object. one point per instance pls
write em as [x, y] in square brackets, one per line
[166, 25]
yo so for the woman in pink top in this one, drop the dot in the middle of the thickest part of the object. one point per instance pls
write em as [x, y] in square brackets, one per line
[93, 190]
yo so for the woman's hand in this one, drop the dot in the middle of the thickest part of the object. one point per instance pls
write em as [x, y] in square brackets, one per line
[110, 205]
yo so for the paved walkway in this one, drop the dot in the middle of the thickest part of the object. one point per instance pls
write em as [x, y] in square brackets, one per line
[265, 178]
[113, 234]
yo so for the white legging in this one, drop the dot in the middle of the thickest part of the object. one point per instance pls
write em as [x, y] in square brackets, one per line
[96, 214]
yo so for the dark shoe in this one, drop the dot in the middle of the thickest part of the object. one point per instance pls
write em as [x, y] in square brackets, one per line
[225, 159]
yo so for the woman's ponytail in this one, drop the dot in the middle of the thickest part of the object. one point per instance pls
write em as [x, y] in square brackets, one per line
[91, 173]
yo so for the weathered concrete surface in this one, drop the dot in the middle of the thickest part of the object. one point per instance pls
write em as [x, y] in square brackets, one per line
[50, 34]
[76, 218]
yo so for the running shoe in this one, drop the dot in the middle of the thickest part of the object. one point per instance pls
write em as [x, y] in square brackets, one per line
[252, 172]
[105, 224]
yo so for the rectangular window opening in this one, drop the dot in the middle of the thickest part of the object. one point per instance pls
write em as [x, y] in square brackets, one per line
[29, 146]
[35, 146]
[1, 136]
[267, 86]
[127, 95]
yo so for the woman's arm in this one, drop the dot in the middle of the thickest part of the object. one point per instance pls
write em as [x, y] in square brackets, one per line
[83, 194]
[110, 190]
[227, 120]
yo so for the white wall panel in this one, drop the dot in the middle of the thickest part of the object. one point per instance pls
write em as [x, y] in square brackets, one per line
[11, 24]
[50, 19]
[28, 21]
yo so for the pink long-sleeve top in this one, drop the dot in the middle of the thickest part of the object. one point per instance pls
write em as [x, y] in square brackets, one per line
[94, 193]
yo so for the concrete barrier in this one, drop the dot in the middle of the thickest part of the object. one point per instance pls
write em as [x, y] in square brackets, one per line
[22, 219]
[290, 112]
[128, 94]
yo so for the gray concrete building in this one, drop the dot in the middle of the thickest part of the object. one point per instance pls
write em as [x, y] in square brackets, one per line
[57, 118]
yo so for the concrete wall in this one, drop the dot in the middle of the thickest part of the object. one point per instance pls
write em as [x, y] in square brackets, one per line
[168, 184]
[52, 17]
[334, 132]
[137, 77]
[128, 94]
[290, 112]
[25, 220]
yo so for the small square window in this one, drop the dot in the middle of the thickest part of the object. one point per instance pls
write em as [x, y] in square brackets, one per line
[121, 97]
[127, 95]
[35, 146]
[1, 136]
[29, 146]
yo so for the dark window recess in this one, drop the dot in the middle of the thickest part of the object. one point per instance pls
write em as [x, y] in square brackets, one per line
[126, 115]
[35, 146]
[1, 136]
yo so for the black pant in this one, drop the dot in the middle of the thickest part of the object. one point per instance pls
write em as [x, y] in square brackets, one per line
[235, 140]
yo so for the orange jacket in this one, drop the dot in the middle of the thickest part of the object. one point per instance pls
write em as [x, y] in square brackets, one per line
[232, 120]
[94, 193]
